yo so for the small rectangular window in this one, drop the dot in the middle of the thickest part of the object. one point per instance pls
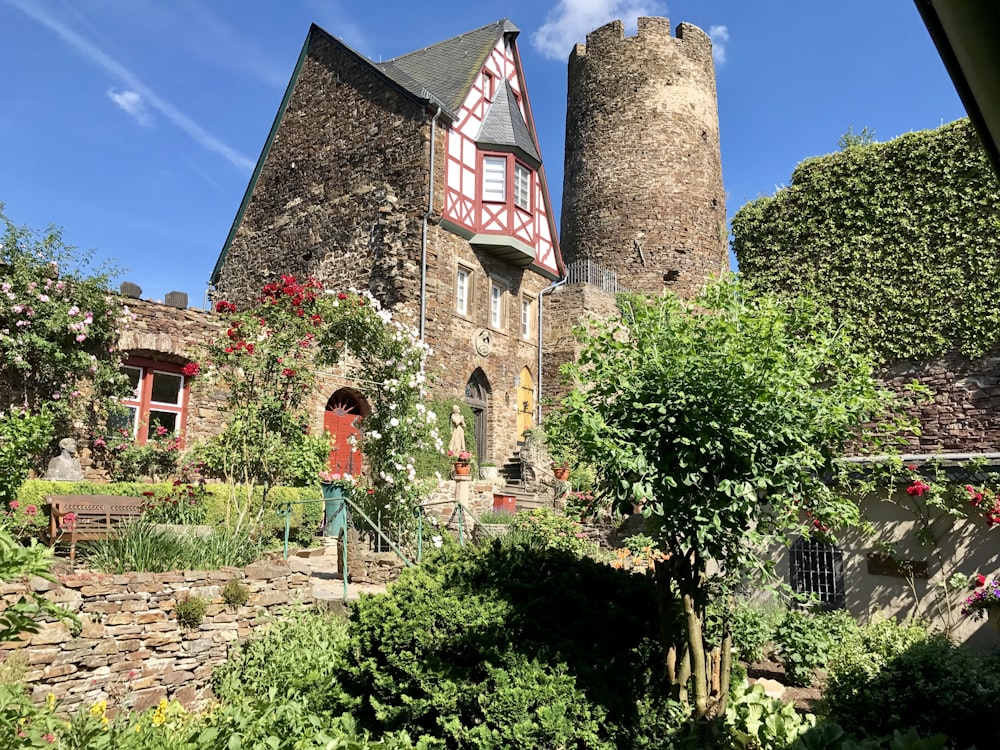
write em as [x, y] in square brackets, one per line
[496, 305]
[462, 292]
[526, 318]
[522, 187]
[489, 85]
[494, 178]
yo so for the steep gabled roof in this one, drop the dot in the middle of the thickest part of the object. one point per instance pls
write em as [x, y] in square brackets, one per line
[447, 69]
[505, 128]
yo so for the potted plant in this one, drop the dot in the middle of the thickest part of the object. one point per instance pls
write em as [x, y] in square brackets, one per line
[495, 523]
[985, 600]
[488, 469]
[462, 459]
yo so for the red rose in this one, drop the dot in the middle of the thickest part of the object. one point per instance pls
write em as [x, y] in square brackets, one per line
[191, 369]
[980, 580]
[341, 296]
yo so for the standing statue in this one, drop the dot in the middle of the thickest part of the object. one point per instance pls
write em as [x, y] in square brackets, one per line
[457, 442]
[66, 466]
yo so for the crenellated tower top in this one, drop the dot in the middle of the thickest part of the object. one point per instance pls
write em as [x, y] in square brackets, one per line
[642, 190]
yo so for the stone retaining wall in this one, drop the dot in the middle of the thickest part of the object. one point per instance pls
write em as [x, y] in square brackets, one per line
[131, 651]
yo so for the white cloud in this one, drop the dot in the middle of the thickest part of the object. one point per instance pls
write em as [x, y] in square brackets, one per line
[571, 20]
[109, 64]
[131, 102]
[719, 36]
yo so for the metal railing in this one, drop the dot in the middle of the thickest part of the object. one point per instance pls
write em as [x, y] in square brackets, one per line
[350, 508]
[588, 272]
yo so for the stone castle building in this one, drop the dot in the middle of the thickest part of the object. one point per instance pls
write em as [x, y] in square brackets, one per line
[420, 179]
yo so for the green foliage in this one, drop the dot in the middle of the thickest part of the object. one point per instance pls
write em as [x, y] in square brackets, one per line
[722, 419]
[902, 672]
[917, 680]
[296, 655]
[138, 546]
[752, 626]
[887, 234]
[190, 610]
[180, 503]
[235, 594]
[58, 329]
[496, 516]
[23, 615]
[466, 648]
[806, 641]
[543, 528]
[755, 721]
[128, 461]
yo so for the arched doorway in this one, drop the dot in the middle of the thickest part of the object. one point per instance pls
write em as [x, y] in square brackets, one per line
[525, 402]
[477, 396]
[343, 412]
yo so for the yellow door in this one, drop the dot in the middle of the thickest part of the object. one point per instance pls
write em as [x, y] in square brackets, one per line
[525, 402]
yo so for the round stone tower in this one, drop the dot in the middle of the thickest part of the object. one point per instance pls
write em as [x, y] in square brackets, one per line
[642, 191]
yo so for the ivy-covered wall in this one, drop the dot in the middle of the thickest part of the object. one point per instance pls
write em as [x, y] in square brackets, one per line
[902, 238]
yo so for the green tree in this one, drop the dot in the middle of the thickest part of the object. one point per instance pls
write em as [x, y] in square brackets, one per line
[723, 419]
[58, 330]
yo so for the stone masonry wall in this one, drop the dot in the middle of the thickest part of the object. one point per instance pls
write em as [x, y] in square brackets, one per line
[343, 185]
[565, 308]
[642, 190]
[964, 415]
[131, 650]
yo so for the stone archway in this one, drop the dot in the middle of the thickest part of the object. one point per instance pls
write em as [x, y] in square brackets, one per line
[477, 396]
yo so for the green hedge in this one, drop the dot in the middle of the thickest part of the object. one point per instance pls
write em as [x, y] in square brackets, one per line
[900, 237]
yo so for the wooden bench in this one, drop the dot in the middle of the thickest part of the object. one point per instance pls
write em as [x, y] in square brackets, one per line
[95, 516]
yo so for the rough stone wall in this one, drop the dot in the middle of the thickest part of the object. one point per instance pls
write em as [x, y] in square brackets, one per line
[964, 415]
[451, 336]
[642, 190]
[565, 308]
[343, 187]
[131, 650]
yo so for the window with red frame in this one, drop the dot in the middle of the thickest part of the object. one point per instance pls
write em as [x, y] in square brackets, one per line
[159, 399]
[505, 177]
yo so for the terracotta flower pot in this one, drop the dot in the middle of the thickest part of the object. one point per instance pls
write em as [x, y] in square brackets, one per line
[561, 472]
[462, 469]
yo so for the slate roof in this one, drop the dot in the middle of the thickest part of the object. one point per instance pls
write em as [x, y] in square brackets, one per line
[446, 70]
[505, 127]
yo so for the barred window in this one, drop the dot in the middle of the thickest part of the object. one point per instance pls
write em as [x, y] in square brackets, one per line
[817, 569]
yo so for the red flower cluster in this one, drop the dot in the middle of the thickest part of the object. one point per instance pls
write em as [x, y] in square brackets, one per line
[977, 498]
[297, 294]
[225, 307]
[191, 369]
[918, 488]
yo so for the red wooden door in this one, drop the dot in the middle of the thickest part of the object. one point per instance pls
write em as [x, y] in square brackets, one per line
[340, 420]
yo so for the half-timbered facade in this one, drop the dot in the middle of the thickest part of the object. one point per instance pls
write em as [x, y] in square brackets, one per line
[419, 179]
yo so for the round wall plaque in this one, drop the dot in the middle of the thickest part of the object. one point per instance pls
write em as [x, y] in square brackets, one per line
[482, 342]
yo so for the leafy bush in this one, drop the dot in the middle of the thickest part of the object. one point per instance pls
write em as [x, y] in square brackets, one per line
[912, 678]
[805, 641]
[180, 503]
[755, 721]
[190, 611]
[463, 647]
[496, 516]
[543, 529]
[296, 656]
[753, 626]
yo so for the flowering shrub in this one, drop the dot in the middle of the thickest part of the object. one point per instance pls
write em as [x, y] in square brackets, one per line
[986, 595]
[461, 456]
[545, 529]
[267, 361]
[127, 461]
[58, 330]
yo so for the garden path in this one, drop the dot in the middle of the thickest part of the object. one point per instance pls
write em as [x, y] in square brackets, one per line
[328, 585]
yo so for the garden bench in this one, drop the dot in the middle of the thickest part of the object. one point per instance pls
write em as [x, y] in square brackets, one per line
[95, 516]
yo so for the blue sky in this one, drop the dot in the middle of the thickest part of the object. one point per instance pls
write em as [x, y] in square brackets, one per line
[135, 124]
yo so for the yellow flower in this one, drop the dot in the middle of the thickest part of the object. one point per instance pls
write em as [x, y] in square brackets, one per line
[50, 701]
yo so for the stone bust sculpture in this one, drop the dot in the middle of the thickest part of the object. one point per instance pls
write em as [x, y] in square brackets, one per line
[66, 466]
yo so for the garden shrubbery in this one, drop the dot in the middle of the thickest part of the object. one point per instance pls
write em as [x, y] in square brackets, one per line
[889, 676]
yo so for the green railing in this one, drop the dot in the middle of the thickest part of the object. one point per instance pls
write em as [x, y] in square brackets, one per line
[350, 508]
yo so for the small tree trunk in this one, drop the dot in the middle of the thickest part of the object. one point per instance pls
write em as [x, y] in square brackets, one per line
[696, 647]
